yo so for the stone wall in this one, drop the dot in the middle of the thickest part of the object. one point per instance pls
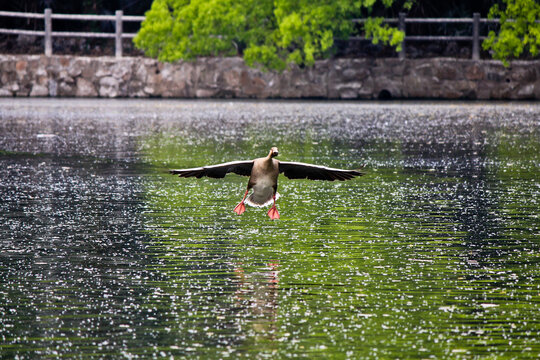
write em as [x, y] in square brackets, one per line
[435, 78]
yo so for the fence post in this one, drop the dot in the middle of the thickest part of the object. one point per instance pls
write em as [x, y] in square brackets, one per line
[476, 37]
[401, 27]
[118, 43]
[48, 32]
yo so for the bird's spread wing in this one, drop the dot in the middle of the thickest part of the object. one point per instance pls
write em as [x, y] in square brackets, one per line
[217, 171]
[297, 170]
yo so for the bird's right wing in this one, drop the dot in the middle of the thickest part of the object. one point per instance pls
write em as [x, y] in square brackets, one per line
[217, 171]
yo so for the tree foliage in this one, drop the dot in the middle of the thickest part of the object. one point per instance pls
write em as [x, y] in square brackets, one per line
[519, 32]
[271, 33]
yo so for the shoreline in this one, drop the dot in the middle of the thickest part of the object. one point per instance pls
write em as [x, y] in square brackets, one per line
[60, 76]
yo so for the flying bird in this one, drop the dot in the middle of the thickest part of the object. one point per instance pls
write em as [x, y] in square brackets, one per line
[263, 177]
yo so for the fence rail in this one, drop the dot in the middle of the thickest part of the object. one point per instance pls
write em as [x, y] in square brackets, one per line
[475, 37]
[119, 18]
[48, 34]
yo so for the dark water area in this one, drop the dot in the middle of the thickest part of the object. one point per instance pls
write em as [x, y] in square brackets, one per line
[434, 253]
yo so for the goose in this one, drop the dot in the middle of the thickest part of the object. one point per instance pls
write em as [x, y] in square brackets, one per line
[263, 177]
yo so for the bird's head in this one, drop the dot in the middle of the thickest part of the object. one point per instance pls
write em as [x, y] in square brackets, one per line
[274, 152]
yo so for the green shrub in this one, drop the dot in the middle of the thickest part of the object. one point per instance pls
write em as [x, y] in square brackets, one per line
[270, 33]
[518, 32]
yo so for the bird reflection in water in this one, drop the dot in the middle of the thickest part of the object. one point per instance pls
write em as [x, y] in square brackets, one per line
[257, 296]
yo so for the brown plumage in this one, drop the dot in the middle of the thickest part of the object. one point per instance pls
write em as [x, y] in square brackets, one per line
[263, 177]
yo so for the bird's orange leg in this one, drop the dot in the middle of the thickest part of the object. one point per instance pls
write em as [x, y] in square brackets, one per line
[240, 208]
[273, 213]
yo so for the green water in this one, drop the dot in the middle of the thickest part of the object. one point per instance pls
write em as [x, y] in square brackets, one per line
[434, 253]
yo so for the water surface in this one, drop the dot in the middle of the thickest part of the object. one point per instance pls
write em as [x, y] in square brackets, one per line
[434, 253]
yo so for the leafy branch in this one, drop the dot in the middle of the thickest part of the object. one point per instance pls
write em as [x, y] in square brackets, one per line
[269, 33]
[519, 32]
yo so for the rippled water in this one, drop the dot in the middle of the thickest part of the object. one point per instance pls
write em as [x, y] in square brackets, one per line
[434, 253]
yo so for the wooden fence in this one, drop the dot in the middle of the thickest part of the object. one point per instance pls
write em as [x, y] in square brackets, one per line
[119, 18]
[48, 33]
[474, 37]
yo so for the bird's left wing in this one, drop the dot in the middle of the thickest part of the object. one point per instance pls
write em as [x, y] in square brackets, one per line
[297, 170]
[217, 171]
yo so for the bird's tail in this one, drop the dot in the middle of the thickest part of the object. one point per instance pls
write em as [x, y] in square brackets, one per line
[259, 200]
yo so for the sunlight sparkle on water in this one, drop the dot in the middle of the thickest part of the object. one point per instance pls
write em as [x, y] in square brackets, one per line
[434, 253]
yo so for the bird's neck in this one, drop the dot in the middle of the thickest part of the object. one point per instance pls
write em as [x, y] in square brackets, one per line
[267, 162]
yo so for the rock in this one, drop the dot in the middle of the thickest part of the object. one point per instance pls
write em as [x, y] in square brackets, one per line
[66, 89]
[483, 91]
[502, 91]
[422, 70]
[413, 85]
[461, 89]
[355, 81]
[348, 93]
[102, 70]
[24, 90]
[176, 82]
[296, 83]
[41, 71]
[75, 68]
[251, 84]
[497, 72]
[4, 78]
[108, 87]
[390, 67]
[537, 90]
[53, 88]
[141, 72]
[89, 70]
[154, 77]
[5, 93]
[65, 61]
[523, 74]
[205, 93]
[231, 78]
[526, 92]
[121, 70]
[474, 72]
[64, 77]
[39, 90]
[135, 89]
[495, 76]
[14, 87]
[446, 72]
[85, 88]
[20, 66]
